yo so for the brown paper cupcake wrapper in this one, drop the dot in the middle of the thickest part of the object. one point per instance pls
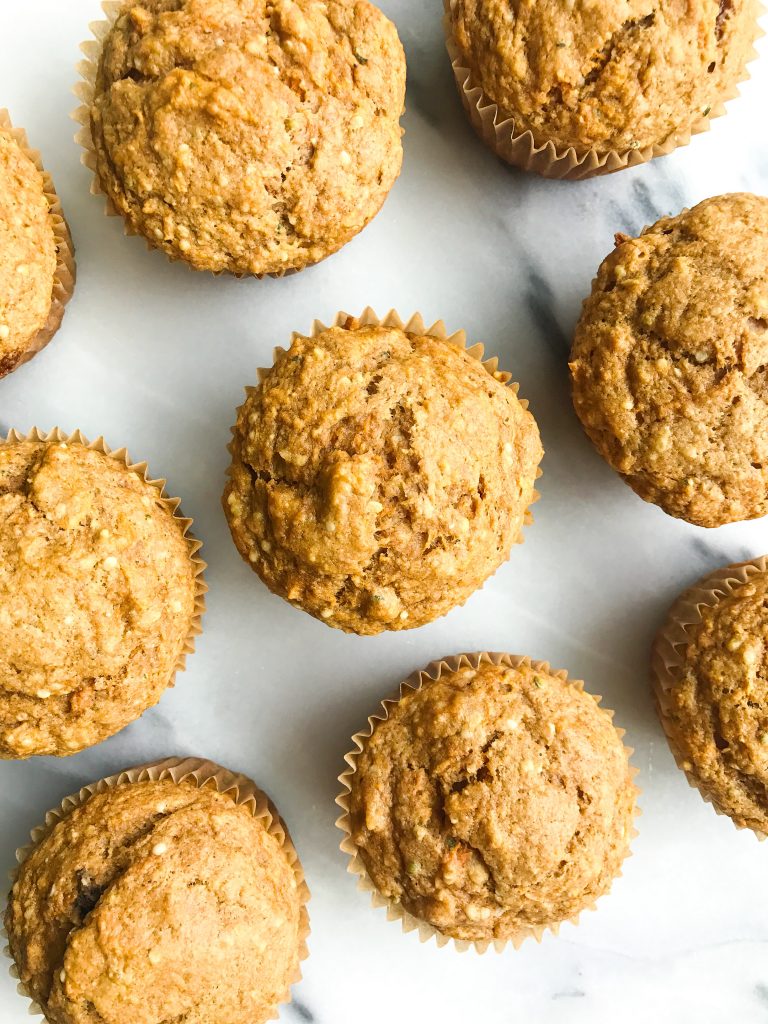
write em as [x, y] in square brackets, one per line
[415, 325]
[668, 655]
[532, 152]
[65, 273]
[172, 504]
[356, 865]
[201, 773]
[84, 90]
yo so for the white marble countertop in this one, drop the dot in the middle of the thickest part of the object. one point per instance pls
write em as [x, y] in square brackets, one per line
[155, 357]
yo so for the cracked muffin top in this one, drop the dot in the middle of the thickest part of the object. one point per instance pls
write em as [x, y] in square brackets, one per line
[493, 801]
[379, 477]
[97, 596]
[716, 713]
[670, 361]
[251, 136]
[27, 253]
[605, 74]
[156, 901]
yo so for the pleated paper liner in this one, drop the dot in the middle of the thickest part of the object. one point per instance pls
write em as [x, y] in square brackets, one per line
[356, 865]
[84, 90]
[201, 773]
[533, 152]
[65, 272]
[172, 504]
[415, 325]
[668, 656]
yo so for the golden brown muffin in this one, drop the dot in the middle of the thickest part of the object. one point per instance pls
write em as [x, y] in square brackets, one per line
[251, 136]
[606, 75]
[156, 901]
[712, 695]
[669, 361]
[378, 476]
[493, 801]
[27, 253]
[97, 597]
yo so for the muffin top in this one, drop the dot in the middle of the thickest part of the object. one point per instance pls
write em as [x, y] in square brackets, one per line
[97, 594]
[156, 901]
[492, 801]
[254, 136]
[605, 74]
[27, 253]
[717, 710]
[379, 477]
[669, 361]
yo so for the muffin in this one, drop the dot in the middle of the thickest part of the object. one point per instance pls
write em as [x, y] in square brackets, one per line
[98, 595]
[710, 672]
[250, 136]
[615, 82]
[380, 474]
[669, 361]
[494, 799]
[158, 900]
[36, 263]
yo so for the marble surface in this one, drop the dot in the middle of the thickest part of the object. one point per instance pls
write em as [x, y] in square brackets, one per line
[155, 358]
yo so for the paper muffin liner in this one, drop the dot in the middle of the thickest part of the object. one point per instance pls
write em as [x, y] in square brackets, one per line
[84, 91]
[356, 865]
[668, 655]
[415, 325]
[202, 773]
[172, 504]
[531, 151]
[65, 272]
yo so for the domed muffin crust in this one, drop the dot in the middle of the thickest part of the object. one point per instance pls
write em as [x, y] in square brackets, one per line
[604, 75]
[246, 135]
[27, 253]
[156, 901]
[379, 477]
[97, 596]
[493, 801]
[670, 357]
[716, 710]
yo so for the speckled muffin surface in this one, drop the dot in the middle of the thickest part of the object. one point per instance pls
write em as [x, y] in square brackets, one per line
[27, 253]
[251, 136]
[493, 801]
[670, 361]
[97, 595]
[607, 75]
[714, 705]
[379, 477]
[156, 901]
